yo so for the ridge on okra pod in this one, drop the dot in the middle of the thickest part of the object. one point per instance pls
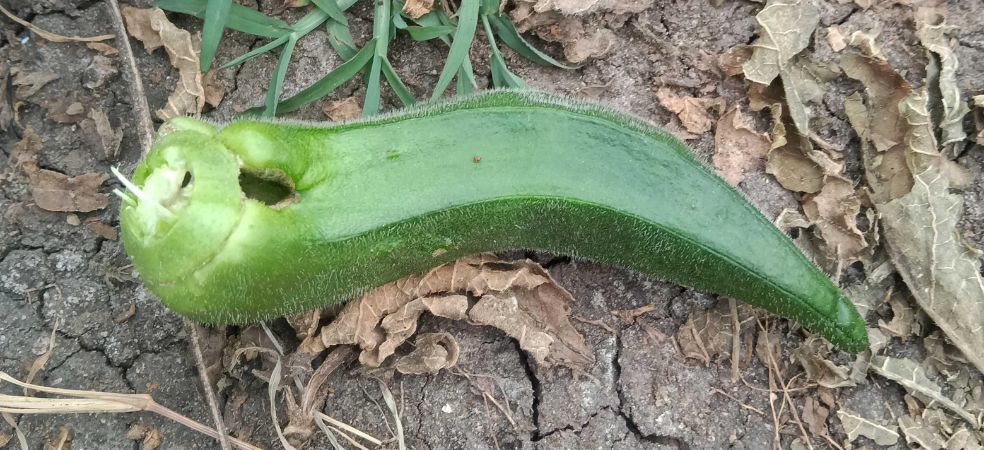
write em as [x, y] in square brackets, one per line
[253, 219]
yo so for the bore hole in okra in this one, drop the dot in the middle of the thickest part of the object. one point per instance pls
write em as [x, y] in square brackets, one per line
[264, 188]
[186, 181]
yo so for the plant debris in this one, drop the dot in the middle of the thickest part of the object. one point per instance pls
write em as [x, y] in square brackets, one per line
[520, 298]
[152, 27]
[692, 111]
[738, 147]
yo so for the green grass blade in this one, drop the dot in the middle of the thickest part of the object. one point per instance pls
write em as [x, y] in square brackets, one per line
[277, 82]
[502, 77]
[340, 39]
[463, 36]
[419, 33]
[397, 85]
[240, 17]
[331, 8]
[216, 17]
[511, 37]
[327, 84]
[370, 106]
[258, 51]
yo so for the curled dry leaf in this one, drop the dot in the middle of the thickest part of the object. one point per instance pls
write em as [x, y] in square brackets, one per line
[738, 147]
[707, 333]
[812, 355]
[942, 272]
[942, 68]
[855, 425]
[878, 120]
[692, 111]
[785, 29]
[917, 432]
[417, 8]
[152, 27]
[834, 211]
[802, 83]
[100, 135]
[793, 160]
[903, 322]
[432, 352]
[912, 376]
[815, 416]
[518, 297]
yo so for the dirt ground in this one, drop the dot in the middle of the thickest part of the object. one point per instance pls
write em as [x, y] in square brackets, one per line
[60, 268]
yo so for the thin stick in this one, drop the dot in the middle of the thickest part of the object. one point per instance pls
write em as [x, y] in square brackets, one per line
[49, 36]
[213, 404]
[93, 401]
[743, 405]
[337, 424]
[144, 123]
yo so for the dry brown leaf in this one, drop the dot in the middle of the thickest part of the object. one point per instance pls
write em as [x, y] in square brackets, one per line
[29, 83]
[802, 83]
[731, 62]
[417, 8]
[105, 231]
[432, 353]
[59, 440]
[942, 71]
[692, 111]
[152, 27]
[100, 135]
[916, 432]
[707, 333]
[400, 325]
[536, 312]
[24, 158]
[855, 425]
[903, 324]
[103, 48]
[151, 436]
[513, 295]
[213, 88]
[55, 191]
[887, 173]
[812, 355]
[912, 376]
[785, 29]
[345, 109]
[884, 89]
[880, 123]
[815, 416]
[793, 161]
[738, 147]
[834, 211]
[942, 272]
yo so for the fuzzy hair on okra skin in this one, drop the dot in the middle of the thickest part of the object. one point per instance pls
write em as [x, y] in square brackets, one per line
[375, 200]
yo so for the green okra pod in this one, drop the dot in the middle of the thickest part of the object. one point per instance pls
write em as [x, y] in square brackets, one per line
[372, 201]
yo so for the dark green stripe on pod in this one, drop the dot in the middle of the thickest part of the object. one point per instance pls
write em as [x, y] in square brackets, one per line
[376, 200]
